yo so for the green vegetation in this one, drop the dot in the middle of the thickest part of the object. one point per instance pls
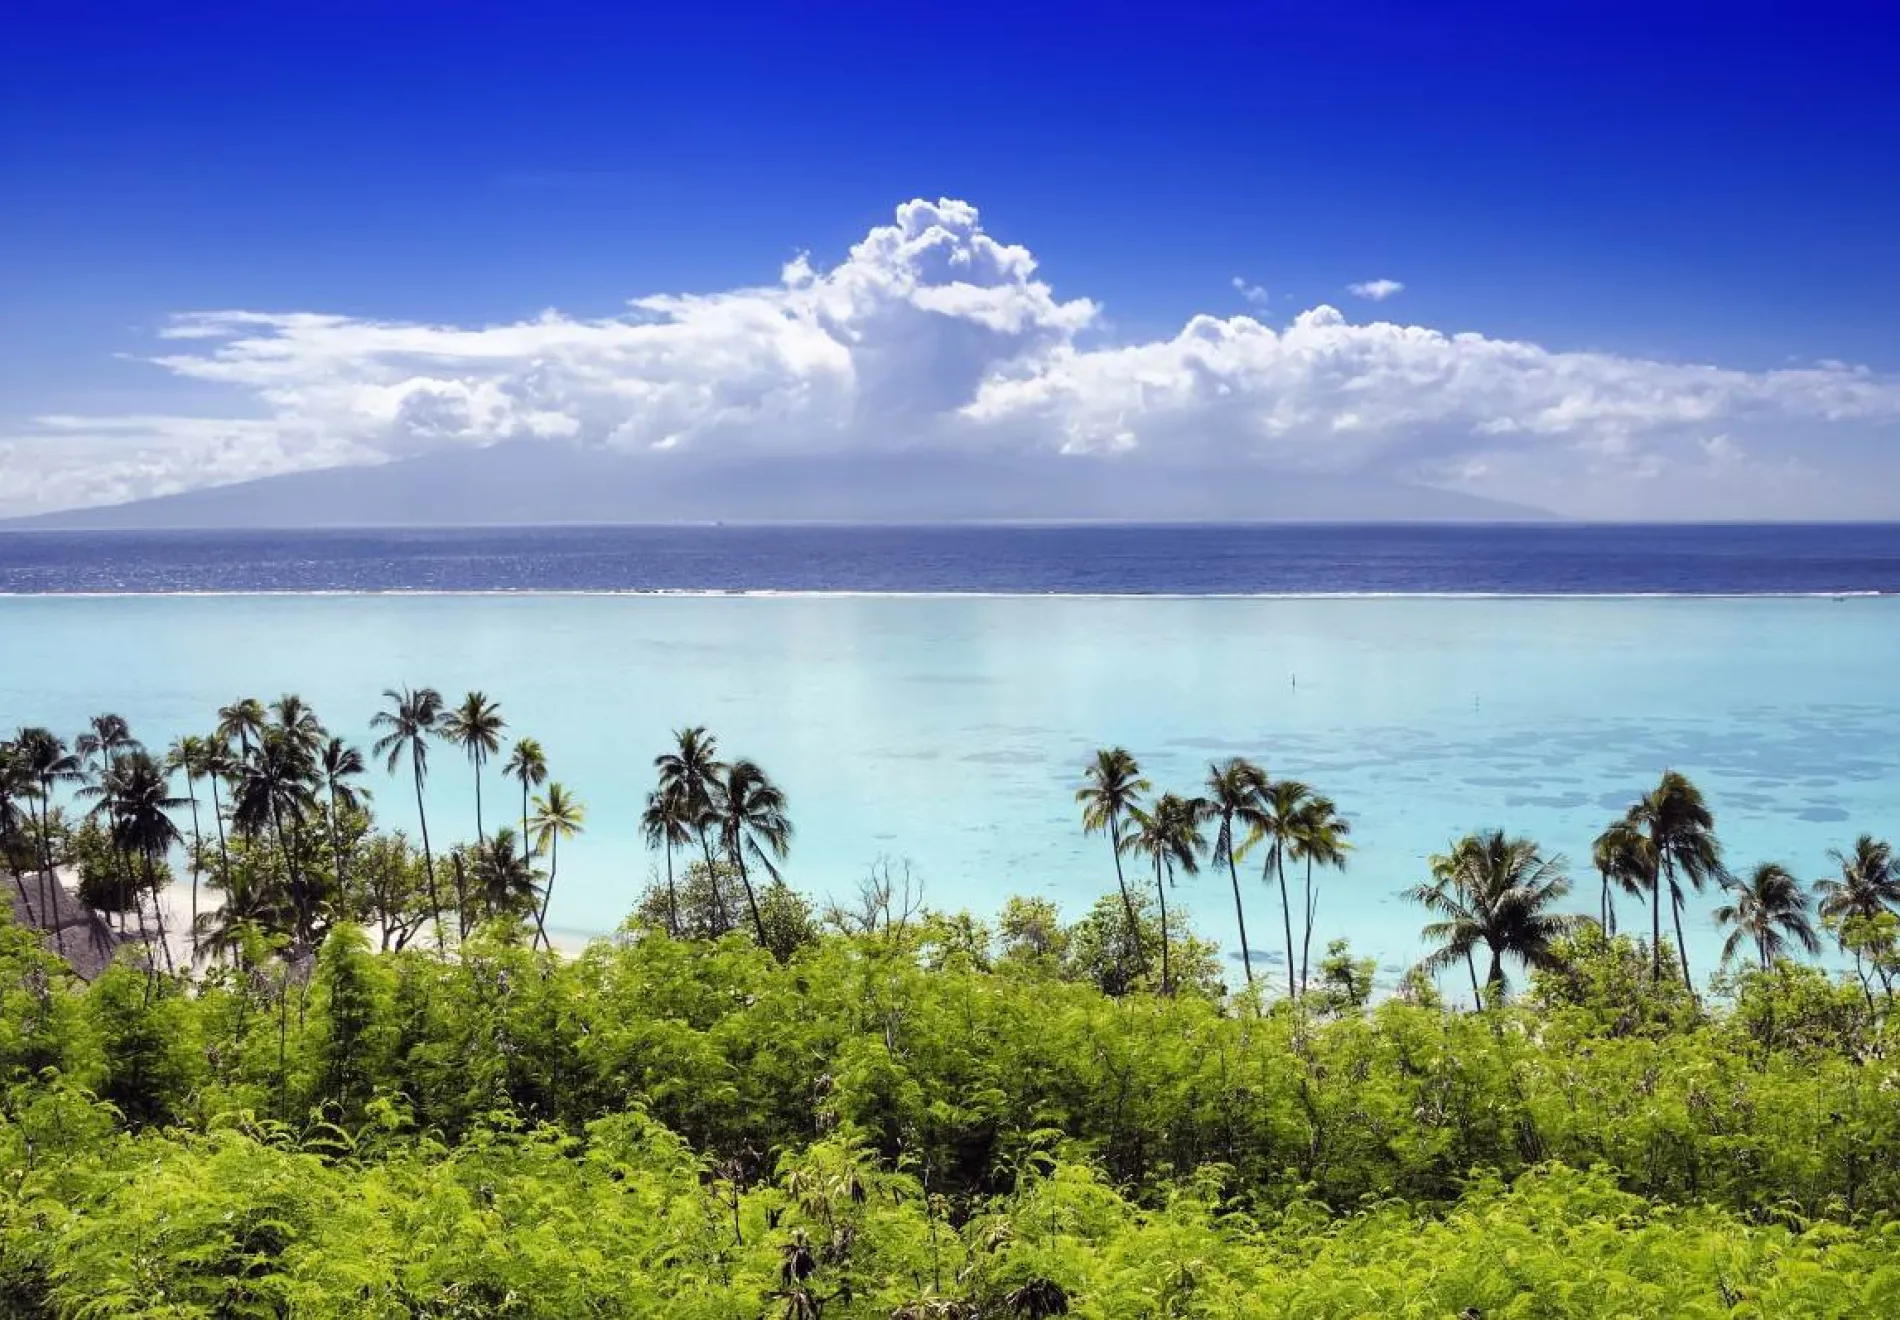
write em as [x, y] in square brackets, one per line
[373, 1089]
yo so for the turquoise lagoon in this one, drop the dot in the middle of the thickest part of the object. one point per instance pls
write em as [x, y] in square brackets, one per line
[950, 731]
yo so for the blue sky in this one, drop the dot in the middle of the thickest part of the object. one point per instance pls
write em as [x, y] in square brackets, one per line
[1669, 184]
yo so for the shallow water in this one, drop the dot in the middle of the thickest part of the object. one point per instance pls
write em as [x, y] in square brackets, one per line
[951, 731]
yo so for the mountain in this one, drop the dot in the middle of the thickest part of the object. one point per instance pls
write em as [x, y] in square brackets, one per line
[543, 484]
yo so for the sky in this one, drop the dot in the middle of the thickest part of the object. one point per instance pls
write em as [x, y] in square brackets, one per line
[1613, 260]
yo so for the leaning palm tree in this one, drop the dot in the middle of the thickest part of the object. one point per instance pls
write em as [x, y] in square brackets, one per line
[475, 726]
[749, 813]
[1495, 893]
[1234, 790]
[1319, 839]
[528, 764]
[693, 771]
[411, 718]
[1770, 911]
[1169, 833]
[1112, 791]
[1679, 829]
[1624, 861]
[338, 765]
[1277, 828]
[557, 815]
[666, 824]
[45, 762]
[190, 756]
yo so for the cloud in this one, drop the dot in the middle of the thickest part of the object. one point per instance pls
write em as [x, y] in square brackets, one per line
[1253, 293]
[1376, 290]
[932, 335]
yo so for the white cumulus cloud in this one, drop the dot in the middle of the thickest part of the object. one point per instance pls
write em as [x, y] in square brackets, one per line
[932, 334]
[1376, 290]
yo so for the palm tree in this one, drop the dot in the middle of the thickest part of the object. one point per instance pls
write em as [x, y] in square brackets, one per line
[274, 793]
[339, 764]
[1496, 892]
[1234, 789]
[1867, 887]
[692, 771]
[749, 812]
[190, 756]
[105, 738]
[528, 764]
[1680, 833]
[411, 718]
[16, 788]
[137, 801]
[1319, 838]
[1111, 794]
[1769, 910]
[667, 823]
[46, 762]
[1278, 826]
[558, 815]
[242, 722]
[475, 726]
[1170, 834]
[1625, 861]
[291, 714]
[219, 767]
[506, 878]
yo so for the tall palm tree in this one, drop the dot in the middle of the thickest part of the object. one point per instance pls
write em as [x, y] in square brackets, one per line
[1234, 790]
[528, 764]
[1496, 892]
[338, 765]
[475, 726]
[1169, 833]
[1624, 860]
[275, 794]
[138, 802]
[191, 756]
[1112, 791]
[46, 763]
[220, 767]
[410, 720]
[1277, 827]
[1319, 839]
[557, 815]
[749, 811]
[693, 772]
[1680, 829]
[667, 823]
[242, 722]
[1769, 909]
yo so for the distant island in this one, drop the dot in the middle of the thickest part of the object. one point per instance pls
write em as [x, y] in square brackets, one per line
[542, 484]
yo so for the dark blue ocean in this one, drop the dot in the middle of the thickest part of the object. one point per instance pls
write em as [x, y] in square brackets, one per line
[1545, 559]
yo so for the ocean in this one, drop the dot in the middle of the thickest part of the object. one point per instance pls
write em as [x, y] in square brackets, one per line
[930, 695]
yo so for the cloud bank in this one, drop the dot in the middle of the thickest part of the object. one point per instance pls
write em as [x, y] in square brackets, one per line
[932, 335]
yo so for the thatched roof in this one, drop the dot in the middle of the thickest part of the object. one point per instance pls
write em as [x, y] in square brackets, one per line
[67, 926]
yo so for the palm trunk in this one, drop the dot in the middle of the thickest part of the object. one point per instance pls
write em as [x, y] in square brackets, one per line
[1682, 949]
[49, 881]
[479, 836]
[1286, 916]
[197, 847]
[290, 871]
[1477, 995]
[158, 914]
[1240, 914]
[461, 894]
[547, 895]
[217, 815]
[336, 841]
[672, 895]
[751, 902]
[712, 878]
[1495, 981]
[527, 854]
[1306, 936]
[1128, 902]
[1655, 928]
[1161, 891]
[428, 858]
